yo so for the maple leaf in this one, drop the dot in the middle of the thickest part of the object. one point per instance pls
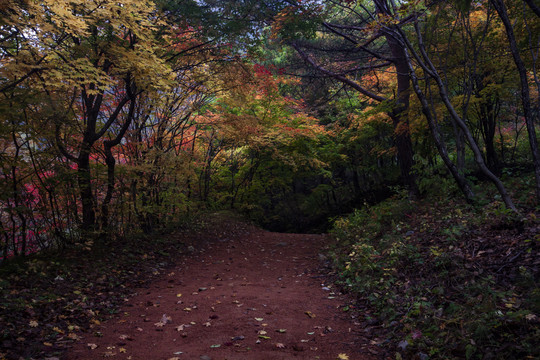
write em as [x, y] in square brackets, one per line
[280, 346]
[33, 323]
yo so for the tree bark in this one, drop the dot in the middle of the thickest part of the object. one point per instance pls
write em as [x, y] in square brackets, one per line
[111, 162]
[525, 94]
[430, 69]
[460, 179]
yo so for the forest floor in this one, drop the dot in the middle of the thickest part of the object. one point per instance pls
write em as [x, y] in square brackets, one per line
[230, 291]
[223, 289]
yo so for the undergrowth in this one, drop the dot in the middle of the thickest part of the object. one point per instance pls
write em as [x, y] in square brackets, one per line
[441, 279]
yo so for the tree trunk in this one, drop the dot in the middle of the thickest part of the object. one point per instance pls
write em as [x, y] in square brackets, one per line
[525, 94]
[399, 114]
[111, 162]
[429, 68]
[460, 179]
[85, 189]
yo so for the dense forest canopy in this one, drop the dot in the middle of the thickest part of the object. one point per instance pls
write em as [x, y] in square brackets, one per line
[128, 116]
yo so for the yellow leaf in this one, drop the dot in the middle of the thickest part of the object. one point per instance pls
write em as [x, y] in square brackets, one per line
[343, 357]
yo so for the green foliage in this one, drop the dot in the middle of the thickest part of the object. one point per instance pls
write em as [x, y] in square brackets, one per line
[416, 267]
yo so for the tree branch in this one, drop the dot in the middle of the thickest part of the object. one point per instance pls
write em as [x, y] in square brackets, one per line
[339, 77]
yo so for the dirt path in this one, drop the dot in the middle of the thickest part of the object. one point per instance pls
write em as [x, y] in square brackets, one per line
[251, 294]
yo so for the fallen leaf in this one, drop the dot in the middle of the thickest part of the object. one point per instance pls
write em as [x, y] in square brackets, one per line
[259, 319]
[215, 346]
[187, 309]
[343, 357]
[91, 346]
[281, 330]
[180, 328]
[122, 350]
[178, 295]
[264, 337]
[33, 323]
[310, 314]
[262, 332]
[280, 346]
[207, 324]
[73, 336]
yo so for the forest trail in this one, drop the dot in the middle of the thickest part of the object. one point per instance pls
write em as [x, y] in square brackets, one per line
[247, 294]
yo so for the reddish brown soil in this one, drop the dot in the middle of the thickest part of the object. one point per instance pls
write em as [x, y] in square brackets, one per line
[250, 294]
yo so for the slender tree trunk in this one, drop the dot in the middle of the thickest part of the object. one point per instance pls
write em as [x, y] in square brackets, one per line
[460, 179]
[430, 69]
[111, 163]
[525, 94]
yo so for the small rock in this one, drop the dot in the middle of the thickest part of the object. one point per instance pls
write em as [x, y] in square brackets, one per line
[205, 357]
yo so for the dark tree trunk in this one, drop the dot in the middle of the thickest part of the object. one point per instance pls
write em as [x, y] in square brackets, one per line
[399, 116]
[111, 163]
[85, 189]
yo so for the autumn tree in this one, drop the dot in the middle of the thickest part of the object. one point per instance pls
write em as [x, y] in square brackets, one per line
[349, 46]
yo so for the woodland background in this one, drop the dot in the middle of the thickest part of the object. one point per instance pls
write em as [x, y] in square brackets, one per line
[126, 118]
